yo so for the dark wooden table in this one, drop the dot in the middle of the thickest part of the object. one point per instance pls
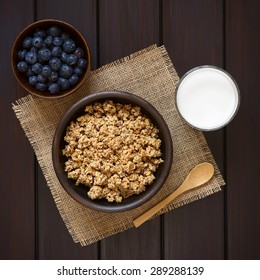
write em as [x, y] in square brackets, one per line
[195, 32]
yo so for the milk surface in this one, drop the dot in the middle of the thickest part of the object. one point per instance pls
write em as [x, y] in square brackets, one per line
[207, 98]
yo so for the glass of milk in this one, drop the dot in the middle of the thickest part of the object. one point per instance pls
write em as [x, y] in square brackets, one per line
[207, 97]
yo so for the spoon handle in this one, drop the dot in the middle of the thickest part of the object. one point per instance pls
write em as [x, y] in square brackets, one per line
[156, 208]
[199, 175]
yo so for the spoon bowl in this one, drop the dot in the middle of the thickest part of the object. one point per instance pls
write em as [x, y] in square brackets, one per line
[198, 176]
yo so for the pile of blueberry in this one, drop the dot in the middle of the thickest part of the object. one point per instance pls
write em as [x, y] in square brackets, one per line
[51, 60]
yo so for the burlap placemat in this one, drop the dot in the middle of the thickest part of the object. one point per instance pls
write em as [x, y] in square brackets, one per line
[150, 74]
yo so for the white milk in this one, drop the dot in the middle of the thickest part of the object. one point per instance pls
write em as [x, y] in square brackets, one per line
[207, 98]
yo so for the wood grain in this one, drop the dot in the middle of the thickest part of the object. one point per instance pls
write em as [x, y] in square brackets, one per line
[125, 27]
[193, 36]
[54, 241]
[243, 134]
[17, 237]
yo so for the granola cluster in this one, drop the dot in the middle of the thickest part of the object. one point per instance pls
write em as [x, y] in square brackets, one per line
[113, 149]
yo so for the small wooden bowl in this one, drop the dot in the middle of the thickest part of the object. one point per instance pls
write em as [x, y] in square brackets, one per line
[79, 193]
[45, 24]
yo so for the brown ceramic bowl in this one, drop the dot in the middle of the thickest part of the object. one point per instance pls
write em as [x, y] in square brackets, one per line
[79, 193]
[45, 24]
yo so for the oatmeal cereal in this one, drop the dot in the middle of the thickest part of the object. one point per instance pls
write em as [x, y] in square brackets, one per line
[113, 149]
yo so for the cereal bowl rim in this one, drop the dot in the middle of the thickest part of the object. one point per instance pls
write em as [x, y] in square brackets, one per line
[132, 201]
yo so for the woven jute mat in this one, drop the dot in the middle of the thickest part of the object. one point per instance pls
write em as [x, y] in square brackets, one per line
[150, 74]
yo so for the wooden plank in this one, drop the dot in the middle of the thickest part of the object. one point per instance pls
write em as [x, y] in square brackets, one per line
[193, 36]
[142, 243]
[126, 27]
[17, 159]
[243, 134]
[54, 241]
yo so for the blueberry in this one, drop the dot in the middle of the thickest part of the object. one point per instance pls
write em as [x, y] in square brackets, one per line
[46, 71]
[65, 36]
[55, 63]
[54, 88]
[53, 76]
[54, 31]
[40, 32]
[21, 54]
[31, 57]
[48, 41]
[57, 41]
[79, 52]
[44, 54]
[41, 86]
[77, 71]
[33, 49]
[69, 46]
[37, 42]
[27, 42]
[22, 66]
[33, 80]
[72, 59]
[63, 83]
[73, 79]
[29, 72]
[56, 51]
[65, 71]
[64, 57]
[82, 63]
[37, 68]
[41, 79]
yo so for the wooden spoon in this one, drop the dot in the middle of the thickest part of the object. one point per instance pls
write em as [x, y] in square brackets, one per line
[199, 175]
